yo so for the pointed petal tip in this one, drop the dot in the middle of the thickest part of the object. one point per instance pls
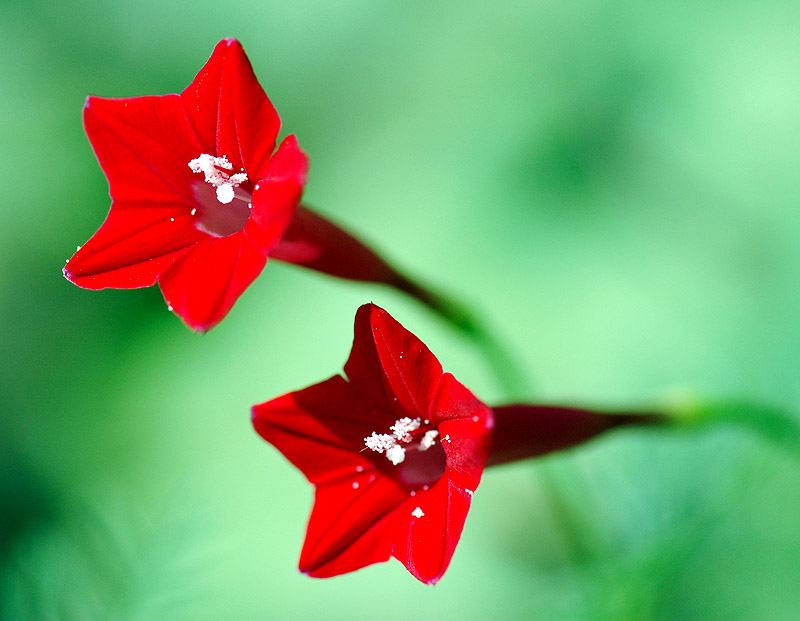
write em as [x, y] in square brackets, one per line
[255, 413]
[366, 312]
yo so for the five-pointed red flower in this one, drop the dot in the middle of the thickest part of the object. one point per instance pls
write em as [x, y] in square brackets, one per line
[199, 197]
[395, 451]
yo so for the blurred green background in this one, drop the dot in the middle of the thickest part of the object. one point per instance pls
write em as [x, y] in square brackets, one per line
[614, 185]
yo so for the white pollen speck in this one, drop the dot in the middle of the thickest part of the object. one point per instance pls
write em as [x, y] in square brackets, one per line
[249, 205]
[355, 484]
[172, 219]
[413, 492]
[476, 418]
[469, 491]
[427, 422]
[194, 211]
[428, 440]
[417, 513]
[359, 468]
[396, 454]
[169, 307]
[425, 487]
[447, 437]
[78, 248]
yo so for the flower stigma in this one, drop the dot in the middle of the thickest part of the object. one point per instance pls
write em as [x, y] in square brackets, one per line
[428, 440]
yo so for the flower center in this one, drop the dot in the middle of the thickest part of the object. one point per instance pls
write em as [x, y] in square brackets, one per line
[223, 197]
[408, 449]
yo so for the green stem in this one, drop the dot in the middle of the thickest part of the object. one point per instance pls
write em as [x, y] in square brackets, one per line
[507, 372]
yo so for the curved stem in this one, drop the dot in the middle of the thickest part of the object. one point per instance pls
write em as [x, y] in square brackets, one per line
[317, 243]
[507, 372]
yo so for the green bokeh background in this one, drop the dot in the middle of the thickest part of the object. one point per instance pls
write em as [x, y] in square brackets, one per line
[614, 185]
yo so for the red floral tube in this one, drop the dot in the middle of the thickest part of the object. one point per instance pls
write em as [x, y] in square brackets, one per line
[525, 431]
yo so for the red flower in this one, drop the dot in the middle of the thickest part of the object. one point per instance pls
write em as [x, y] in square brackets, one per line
[199, 197]
[395, 451]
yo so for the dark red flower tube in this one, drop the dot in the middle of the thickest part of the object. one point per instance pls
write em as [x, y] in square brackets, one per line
[396, 451]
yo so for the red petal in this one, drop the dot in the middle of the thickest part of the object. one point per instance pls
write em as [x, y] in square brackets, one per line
[428, 541]
[464, 425]
[386, 358]
[144, 146]
[230, 112]
[203, 285]
[133, 246]
[320, 429]
[275, 197]
[465, 430]
[349, 527]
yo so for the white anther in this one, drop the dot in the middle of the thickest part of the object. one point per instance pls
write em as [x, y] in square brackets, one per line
[396, 454]
[428, 440]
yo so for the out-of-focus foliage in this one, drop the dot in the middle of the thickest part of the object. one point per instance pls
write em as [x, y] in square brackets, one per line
[613, 184]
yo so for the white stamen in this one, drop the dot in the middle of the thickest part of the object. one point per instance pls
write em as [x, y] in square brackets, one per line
[396, 454]
[403, 427]
[379, 442]
[428, 440]
[214, 170]
[417, 513]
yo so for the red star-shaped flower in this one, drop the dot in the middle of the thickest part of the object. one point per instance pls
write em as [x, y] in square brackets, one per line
[198, 196]
[395, 451]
